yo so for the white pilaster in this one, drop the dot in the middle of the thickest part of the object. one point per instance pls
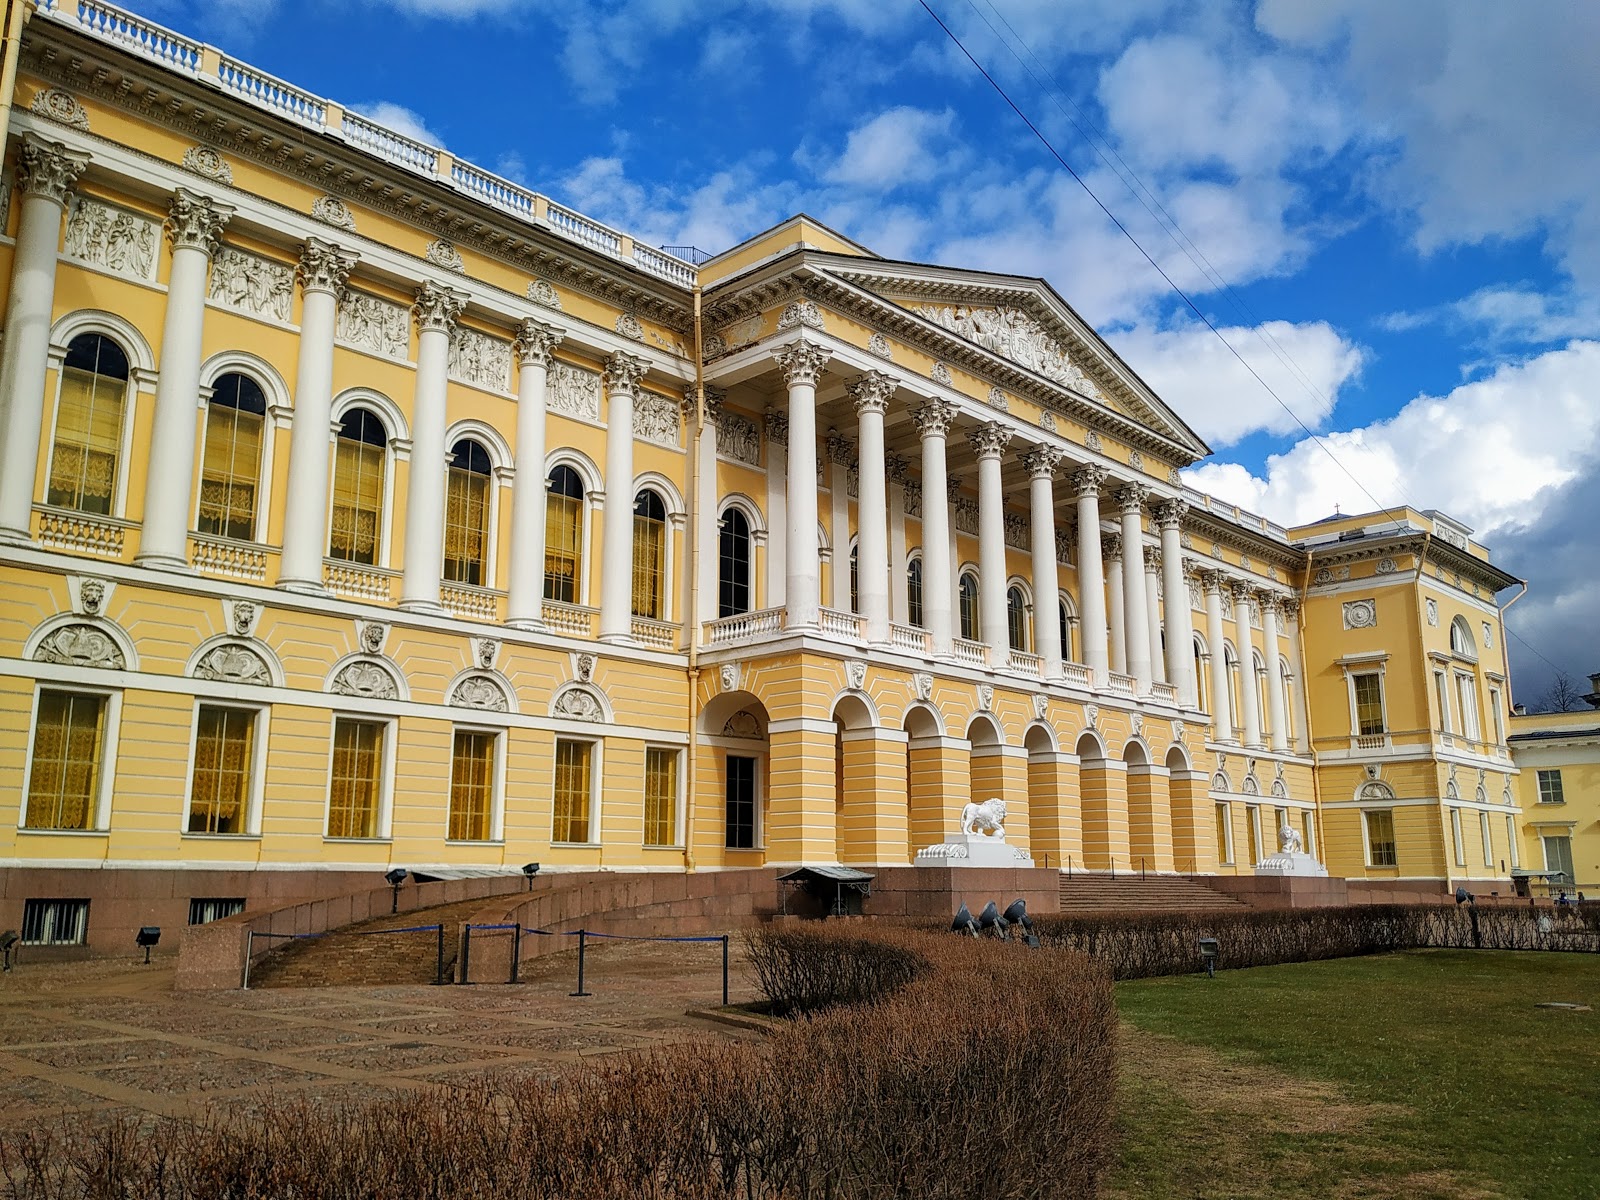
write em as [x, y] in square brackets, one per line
[1179, 623]
[841, 456]
[899, 590]
[1131, 497]
[1276, 708]
[622, 375]
[535, 348]
[436, 310]
[323, 270]
[1297, 698]
[1243, 644]
[1116, 603]
[707, 501]
[194, 223]
[1152, 606]
[46, 172]
[802, 363]
[933, 422]
[777, 440]
[871, 393]
[1221, 706]
[1041, 463]
[1091, 572]
[989, 444]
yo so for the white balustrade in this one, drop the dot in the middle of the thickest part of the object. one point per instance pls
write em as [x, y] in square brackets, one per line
[387, 144]
[1371, 741]
[1121, 685]
[1164, 693]
[831, 622]
[761, 623]
[572, 619]
[664, 265]
[357, 581]
[581, 229]
[908, 637]
[972, 652]
[265, 91]
[1024, 663]
[229, 558]
[663, 635]
[60, 529]
[1077, 675]
[132, 33]
[472, 603]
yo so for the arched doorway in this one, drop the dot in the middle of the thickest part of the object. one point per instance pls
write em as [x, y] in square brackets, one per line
[937, 787]
[869, 815]
[1057, 829]
[732, 824]
[1104, 807]
[1193, 852]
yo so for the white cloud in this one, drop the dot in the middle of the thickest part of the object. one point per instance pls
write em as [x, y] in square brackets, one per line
[1215, 393]
[1508, 313]
[400, 119]
[897, 147]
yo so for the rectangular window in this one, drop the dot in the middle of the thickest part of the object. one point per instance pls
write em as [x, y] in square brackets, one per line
[1380, 838]
[1467, 686]
[204, 910]
[649, 565]
[229, 472]
[219, 791]
[741, 810]
[64, 784]
[466, 527]
[1499, 717]
[357, 778]
[1550, 788]
[83, 461]
[1488, 839]
[1308, 830]
[1511, 840]
[660, 797]
[1224, 836]
[1369, 704]
[1252, 813]
[1442, 691]
[55, 922]
[563, 541]
[572, 791]
[357, 521]
[1456, 836]
[1558, 858]
[471, 785]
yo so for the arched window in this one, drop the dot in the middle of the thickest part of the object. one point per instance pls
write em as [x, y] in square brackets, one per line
[1461, 640]
[230, 471]
[1202, 677]
[914, 592]
[563, 535]
[1065, 631]
[1016, 618]
[733, 564]
[360, 460]
[969, 606]
[89, 414]
[1288, 699]
[649, 555]
[855, 579]
[1258, 678]
[466, 514]
[1232, 662]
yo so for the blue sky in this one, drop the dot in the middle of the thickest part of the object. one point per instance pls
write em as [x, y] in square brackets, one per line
[1393, 210]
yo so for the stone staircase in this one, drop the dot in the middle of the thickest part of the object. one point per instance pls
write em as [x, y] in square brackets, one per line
[1081, 893]
[361, 956]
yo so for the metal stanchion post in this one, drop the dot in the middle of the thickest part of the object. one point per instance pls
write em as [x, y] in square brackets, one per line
[724, 970]
[249, 951]
[438, 970]
[583, 938]
[516, 951]
[466, 954]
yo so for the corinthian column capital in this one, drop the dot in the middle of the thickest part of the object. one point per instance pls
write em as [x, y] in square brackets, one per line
[802, 362]
[1170, 513]
[871, 392]
[48, 169]
[623, 372]
[1087, 480]
[1041, 462]
[1131, 496]
[324, 267]
[935, 418]
[437, 308]
[536, 342]
[1111, 546]
[989, 440]
[194, 222]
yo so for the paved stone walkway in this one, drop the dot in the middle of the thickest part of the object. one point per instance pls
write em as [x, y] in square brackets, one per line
[101, 1038]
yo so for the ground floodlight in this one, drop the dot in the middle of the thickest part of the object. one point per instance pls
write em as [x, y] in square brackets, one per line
[394, 877]
[1464, 897]
[8, 939]
[1208, 955]
[991, 920]
[1017, 914]
[147, 936]
[529, 870]
[964, 922]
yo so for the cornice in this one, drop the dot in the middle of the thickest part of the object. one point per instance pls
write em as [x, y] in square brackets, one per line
[1427, 549]
[59, 54]
[1259, 546]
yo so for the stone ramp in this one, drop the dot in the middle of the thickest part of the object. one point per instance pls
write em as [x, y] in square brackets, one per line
[361, 956]
[1081, 893]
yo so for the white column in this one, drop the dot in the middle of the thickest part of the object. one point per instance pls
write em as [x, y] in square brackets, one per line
[777, 439]
[622, 375]
[46, 172]
[1221, 706]
[871, 393]
[1180, 625]
[323, 270]
[802, 363]
[1249, 709]
[194, 223]
[436, 311]
[707, 502]
[1152, 605]
[1115, 604]
[899, 591]
[1297, 672]
[933, 422]
[989, 443]
[841, 454]
[1091, 572]
[952, 497]
[535, 346]
[1276, 708]
[1041, 463]
[1131, 497]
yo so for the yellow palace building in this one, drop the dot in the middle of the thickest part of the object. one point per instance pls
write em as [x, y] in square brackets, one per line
[360, 508]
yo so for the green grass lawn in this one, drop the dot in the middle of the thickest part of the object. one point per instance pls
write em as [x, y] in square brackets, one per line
[1425, 1074]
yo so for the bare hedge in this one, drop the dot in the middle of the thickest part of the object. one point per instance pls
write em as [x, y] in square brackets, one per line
[957, 1069]
[1144, 945]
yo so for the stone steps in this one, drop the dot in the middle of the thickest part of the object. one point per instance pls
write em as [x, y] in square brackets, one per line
[362, 956]
[1082, 893]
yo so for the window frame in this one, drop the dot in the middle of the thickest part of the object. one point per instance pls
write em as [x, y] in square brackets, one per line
[83, 906]
[1554, 794]
[757, 801]
[1224, 822]
[57, 362]
[385, 532]
[1377, 673]
[1487, 832]
[585, 530]
[728, 583]
[969, 631]
[491, 508]
[214, 371]
[497, 775]
[680, 786]
[383, 818]
[596, 771]
[1019, 623]
[1368, 845]
[1544, 845]
[1458, 837]
[105, 769]
[1467, 698]
[916, 593]
[256, 778]
[664, 580]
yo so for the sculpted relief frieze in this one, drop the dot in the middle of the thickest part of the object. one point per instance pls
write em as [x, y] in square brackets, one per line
[481, 360]
[251, 284]
[113, 238]
[374, 325]
[655, 419]
[1012, 334]
[573, 392]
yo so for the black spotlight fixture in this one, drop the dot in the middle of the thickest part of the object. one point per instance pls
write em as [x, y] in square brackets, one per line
[964, 922]
[990, 921]
[394, 877]
[529, 870]
[8, 939]
[148, 936]
[1017, 914]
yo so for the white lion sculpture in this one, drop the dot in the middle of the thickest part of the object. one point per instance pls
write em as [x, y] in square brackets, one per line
[987, 819]
[1289, 840]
